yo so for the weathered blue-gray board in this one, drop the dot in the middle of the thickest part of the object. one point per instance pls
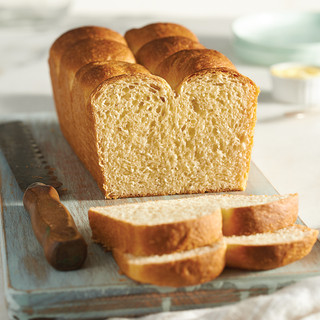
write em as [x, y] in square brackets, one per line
[35, 290]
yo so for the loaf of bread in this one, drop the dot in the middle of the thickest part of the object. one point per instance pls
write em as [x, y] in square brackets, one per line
[263, 251]
[185, 128]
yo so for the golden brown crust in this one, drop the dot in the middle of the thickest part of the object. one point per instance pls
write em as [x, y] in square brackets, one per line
[186, 272]
[75, 57]
[144, 240]
[92, 50]
[185, 63]
[264, 257]
[155, 51]
[80, 46]
[261, 218]
[91, 75]
[222, 70]
[73, 36]
[70, 38]
[136, 38]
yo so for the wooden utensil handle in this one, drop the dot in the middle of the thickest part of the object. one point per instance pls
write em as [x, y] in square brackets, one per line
[54, 227]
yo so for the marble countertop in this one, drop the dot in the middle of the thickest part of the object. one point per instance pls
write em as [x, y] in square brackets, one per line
[286, 145]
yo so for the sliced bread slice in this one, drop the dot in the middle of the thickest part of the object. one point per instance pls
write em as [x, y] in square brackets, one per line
[156, 227]
[244, 215]
[185, 268]
[270, 250]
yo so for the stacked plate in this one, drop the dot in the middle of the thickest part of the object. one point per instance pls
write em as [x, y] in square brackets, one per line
[270, 38]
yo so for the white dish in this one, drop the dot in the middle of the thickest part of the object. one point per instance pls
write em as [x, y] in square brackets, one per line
[270, 38]
[296, 83]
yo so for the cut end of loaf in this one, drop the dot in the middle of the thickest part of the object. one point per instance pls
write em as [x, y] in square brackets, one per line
[221, 116]
[197, 142]
[134, 116]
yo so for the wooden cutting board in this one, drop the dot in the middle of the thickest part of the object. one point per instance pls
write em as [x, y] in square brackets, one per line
[35, 290]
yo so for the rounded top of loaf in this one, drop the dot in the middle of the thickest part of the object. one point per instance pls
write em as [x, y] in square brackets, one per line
[155, 51]
[71, 37]
[91, 75]
[141, 81]
[92, 50]
[136, 38]
[184, 63]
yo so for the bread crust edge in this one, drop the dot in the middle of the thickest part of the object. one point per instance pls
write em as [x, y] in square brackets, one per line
[185, 272]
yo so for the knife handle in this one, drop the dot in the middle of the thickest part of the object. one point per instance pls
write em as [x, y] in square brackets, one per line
[63, 245]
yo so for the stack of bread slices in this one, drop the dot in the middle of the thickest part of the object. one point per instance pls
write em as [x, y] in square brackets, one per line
[188, 241]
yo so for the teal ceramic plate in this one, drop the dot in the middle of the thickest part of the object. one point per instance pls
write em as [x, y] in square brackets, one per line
[269, 38]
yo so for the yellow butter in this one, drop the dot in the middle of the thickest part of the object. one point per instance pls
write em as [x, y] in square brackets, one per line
[297, 72]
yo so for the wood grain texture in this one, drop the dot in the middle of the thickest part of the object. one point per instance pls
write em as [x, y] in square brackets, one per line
[53, 226]
[34, 289]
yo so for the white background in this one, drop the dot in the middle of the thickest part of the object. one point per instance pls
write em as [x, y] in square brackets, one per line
[191, 8]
